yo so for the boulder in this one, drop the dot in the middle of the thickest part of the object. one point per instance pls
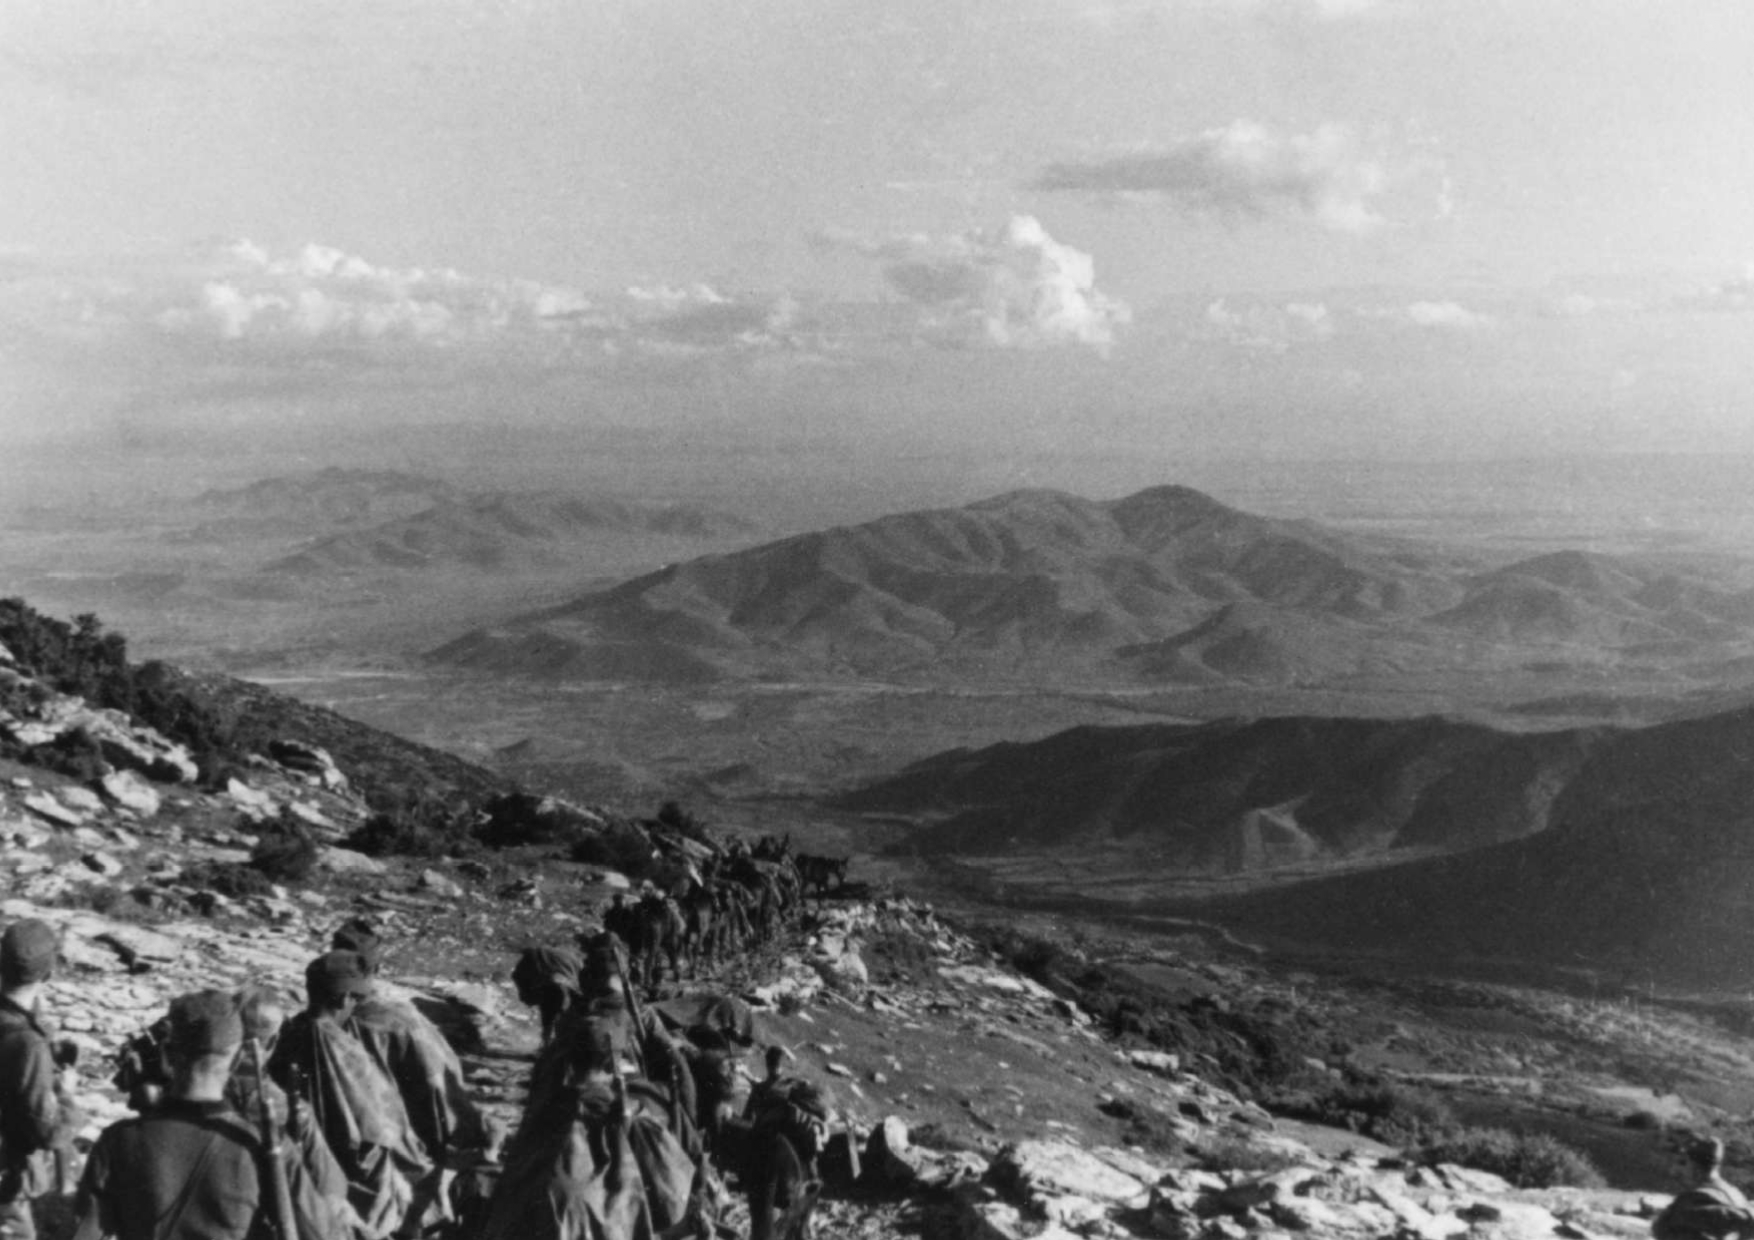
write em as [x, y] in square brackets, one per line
[1161, 1062]
[139, 948]
[843, 972]
[102, 863]
[886, 1153]
[1036, 1170]
[347, 861]
[252, 801]
[438, 884]
[48, 807]
[311, 761]
[127, 790]
[84, 800]
[23, 833]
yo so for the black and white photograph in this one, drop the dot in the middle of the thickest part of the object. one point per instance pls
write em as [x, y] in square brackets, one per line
[876, 619]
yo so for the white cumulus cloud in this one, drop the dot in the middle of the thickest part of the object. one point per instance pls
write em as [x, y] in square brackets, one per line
[1446, 314]
[1243, 171]
[1012, 288]
[325, 293]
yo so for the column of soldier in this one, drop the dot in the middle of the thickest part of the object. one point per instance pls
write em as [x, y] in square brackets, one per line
[351, 1119]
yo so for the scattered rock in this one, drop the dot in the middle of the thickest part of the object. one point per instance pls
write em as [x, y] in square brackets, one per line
[47, 806]
[438, 884]
[101, 863]
[347, 861]
[82, 799]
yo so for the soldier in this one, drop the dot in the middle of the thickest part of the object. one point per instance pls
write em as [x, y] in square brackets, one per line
[37, 1117]
[193, 1168]
[619, 919]
[782, 1134]
[263, 1013]
[1712, 1209]
[356, 1105]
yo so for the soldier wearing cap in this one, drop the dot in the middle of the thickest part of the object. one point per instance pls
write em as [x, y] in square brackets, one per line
[1712, 1209]
[415, 1055]
[193, 1168]
[36, 1114]
[354, 1102]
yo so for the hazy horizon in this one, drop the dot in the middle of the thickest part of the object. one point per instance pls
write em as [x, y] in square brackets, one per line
[1177, 229]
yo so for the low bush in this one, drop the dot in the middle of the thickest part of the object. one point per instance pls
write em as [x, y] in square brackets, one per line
[1526, 1159]
[1393, 1114]
[1239, 1154]
[285, 852]
[623, 848]
[231, 880]
[393, 834]
[1148, 1127]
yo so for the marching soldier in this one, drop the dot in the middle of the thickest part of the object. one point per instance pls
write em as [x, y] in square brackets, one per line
[37, 1116]
[192, 1168]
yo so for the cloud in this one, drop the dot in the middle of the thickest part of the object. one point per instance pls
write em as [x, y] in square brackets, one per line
[1579, 305]
[1732, 295]
[1437, 316]
[1243, 171]
[1015, 288]
[322, 293]
[1272, 328]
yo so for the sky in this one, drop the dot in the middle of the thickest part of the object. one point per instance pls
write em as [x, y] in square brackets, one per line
[1299, 228]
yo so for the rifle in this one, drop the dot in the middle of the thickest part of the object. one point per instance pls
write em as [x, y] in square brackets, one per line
[270, 1132]
[636, 1011]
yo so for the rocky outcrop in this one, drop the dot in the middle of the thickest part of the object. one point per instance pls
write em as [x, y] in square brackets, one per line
[123, 744]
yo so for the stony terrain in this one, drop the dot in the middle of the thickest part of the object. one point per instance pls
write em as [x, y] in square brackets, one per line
[988, 1104]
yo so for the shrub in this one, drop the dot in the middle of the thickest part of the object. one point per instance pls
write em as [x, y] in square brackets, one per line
[231, 880]
[391, 834]
[1526, 1159]
[617, 848]
[1236, 1154]
[1149, 1127]
[672, 815]
[284, 851]
[1379, 1109]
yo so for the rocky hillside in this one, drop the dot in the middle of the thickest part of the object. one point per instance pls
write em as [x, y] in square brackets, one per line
[1242, 796]
[988, 1102]
[1642, 871]
[1167, 585]
[1623, 850]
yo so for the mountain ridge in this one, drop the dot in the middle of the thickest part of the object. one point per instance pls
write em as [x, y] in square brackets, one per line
[1167, 585]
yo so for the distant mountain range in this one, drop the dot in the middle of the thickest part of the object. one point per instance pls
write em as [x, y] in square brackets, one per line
[1165, 586]
[357, 522]
[331, 497]
[1428, 838]
[504, 531]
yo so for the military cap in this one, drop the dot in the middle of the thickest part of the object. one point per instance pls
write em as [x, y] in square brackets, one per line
[28, 952]
[361, 937]
[1707, 1153]
[337, 973]
[205, 1022]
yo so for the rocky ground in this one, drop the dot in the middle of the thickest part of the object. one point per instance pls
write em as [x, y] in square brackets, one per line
[988, 1106]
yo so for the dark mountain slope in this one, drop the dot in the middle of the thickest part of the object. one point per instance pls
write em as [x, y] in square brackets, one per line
[1034, 582]
[1648, 858]
[1236, 796]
